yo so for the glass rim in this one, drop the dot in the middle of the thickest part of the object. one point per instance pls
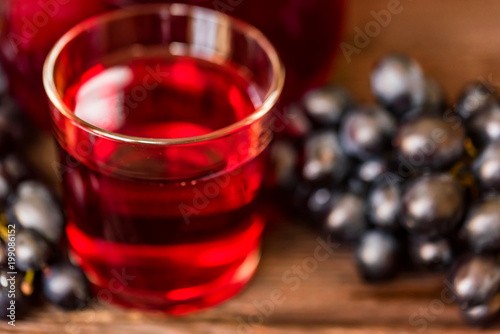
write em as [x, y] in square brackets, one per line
[271, 98]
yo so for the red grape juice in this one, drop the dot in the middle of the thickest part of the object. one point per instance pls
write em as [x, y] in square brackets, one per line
[178, 243]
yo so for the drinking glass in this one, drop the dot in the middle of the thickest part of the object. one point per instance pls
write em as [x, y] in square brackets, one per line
[162, 115]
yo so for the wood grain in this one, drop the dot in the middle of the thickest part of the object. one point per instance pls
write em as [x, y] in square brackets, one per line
[456, 41]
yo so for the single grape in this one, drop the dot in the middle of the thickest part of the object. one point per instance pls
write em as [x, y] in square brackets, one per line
[481, 228]
[432, 254]
[344, 218]
[475, 97]
[32, 250]
[35, 207]
[377, 255]
[483, 126]
[482, 315]
[432, 205]
[475, 280]
[486, 168]
[367, 132]
[384, 205]
[366, 173]
[325, 162]
[325, 106]
[311, 202]
[398, 84]
[66, 286]
[430, 142]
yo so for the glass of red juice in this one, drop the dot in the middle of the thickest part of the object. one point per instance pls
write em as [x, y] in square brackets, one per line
[162, 114]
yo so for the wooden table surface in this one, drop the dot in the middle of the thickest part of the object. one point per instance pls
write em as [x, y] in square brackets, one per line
[456, 41]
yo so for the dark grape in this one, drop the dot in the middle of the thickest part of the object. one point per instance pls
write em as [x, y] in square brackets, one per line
[482, 315]
[432, 205]
[486, 168]
[311, 202]
[367, 132]
[484, 126]
[325, 106]
[365, 174]
[475, 97]
[430, 142]
[345, 217]
[66, 286]
[398, 84]
[481, 228]
[35, 207]
[384, 205]
[32, 250]
[324, 160]
[431, 254]
[377, 255]
[475, 280]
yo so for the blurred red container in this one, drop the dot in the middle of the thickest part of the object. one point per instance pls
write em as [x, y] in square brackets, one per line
[28, 30]
[305, 32]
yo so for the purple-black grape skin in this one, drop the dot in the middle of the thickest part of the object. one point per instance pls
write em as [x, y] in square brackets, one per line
[33, 251]
[384, 205]
[483, 126]
[325, 162]
[326, 105]
[430, 142]
[432, 205]
[475, 280]
[34, 206]
[435, 254]
[474, 97]
[66, 286]
[481, 228]
[344, 219]
[399, 84]
[377, 256]
[486, 168]
[367, 132]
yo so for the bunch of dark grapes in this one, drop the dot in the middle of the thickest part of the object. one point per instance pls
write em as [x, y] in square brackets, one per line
[33, 263]
[407, 180]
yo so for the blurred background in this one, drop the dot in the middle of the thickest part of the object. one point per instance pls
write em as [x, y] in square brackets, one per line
[455, 41]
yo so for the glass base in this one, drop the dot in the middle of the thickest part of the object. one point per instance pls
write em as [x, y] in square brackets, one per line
[187, 300]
